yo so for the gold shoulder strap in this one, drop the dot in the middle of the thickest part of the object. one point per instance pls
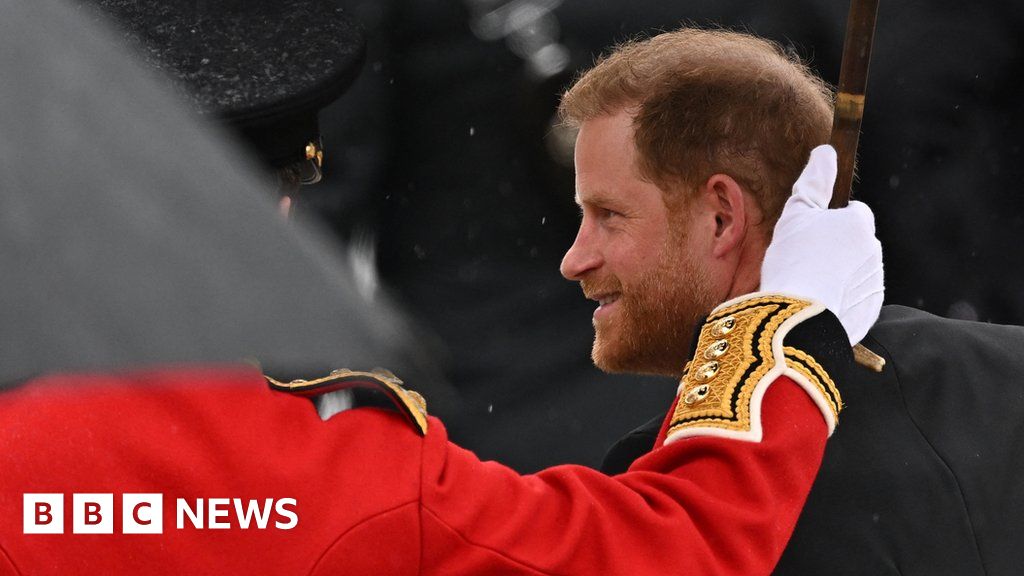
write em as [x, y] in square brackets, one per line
[408, 402]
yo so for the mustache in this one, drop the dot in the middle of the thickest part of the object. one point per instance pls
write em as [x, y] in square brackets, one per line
[593, 288]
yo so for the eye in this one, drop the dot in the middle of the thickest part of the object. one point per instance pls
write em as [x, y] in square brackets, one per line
[600, 213]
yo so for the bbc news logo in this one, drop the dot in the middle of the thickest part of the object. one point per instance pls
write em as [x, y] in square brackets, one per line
[144, 513]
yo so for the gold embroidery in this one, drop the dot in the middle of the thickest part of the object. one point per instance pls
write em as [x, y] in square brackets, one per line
[809, 368]
[722, 398]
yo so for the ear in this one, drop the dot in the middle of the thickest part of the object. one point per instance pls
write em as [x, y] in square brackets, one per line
[725, 200]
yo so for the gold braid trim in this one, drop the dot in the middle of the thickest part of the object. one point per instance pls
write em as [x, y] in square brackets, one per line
[408, 402]
[805, 365]
[739, 353]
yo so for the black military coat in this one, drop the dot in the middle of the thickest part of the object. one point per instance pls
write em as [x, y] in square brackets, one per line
[925, 472]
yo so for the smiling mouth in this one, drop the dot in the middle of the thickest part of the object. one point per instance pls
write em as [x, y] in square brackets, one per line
[606, 299]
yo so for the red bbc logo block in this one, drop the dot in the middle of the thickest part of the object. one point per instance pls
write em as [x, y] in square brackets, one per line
[93, 513]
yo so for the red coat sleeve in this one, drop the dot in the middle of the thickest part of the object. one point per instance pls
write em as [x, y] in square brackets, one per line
[700, 505]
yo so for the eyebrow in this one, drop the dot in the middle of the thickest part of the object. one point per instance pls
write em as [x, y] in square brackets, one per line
[599, 198]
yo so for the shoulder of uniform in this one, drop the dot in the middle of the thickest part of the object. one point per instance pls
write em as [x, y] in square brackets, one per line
[745, 345]
[379, 381]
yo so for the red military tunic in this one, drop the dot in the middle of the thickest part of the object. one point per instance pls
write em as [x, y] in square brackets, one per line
[372, 495]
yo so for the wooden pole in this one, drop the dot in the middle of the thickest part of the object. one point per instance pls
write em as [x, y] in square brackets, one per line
[853, 80]
[849, 110]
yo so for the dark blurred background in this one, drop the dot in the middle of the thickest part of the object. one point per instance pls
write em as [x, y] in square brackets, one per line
[446, 172]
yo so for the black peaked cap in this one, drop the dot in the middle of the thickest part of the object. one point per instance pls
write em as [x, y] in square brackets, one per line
[264, 67]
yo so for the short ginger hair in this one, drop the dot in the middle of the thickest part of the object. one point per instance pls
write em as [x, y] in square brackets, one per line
[710, 101]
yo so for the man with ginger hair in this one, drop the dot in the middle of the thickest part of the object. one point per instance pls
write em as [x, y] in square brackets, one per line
[722, 124]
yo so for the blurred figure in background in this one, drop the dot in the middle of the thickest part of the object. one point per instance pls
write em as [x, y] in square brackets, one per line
[459, 179]
[262, 72]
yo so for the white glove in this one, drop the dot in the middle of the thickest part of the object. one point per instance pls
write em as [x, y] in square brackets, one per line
[830, 256]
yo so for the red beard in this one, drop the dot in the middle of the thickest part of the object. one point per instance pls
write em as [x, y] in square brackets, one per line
[651, 327]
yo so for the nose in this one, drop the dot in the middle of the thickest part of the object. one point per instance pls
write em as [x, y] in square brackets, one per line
[582, 257]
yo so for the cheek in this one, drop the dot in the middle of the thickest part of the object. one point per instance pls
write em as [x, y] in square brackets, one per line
[633, 261]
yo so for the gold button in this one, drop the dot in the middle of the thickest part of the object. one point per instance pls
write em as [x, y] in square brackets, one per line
[696, 394]
[706, 371]
[724, 326]
[716, 349]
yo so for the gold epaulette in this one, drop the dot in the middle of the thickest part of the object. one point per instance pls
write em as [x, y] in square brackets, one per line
[739, 354]
[408, 402]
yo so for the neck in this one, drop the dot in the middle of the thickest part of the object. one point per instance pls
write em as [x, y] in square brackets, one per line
[747, 275]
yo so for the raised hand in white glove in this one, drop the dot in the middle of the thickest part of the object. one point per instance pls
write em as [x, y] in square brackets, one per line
[830, 256]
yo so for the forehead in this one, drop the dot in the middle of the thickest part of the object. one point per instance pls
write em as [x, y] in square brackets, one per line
[605, 157]
[606, 167]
